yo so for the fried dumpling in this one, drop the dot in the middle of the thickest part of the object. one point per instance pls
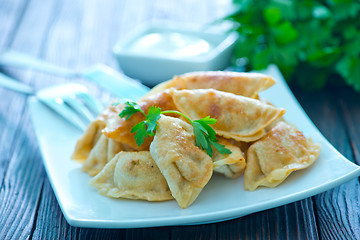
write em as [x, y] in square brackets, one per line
[281, 151]
[231, 165]
[245, 84]
[132, 175]
[274, 123]
[93, 132]
[104, 150]
[186, 168]
[238, 117]
[119, 129]
[244, 146]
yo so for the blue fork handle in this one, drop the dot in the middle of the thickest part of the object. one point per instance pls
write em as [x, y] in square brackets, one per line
[10, 83]
[17, 59]
[115, 82]
[104, 76]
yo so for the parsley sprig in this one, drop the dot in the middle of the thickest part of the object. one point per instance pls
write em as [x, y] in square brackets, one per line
[205, 136]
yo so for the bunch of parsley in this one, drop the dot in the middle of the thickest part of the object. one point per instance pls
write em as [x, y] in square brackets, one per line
[312, 42]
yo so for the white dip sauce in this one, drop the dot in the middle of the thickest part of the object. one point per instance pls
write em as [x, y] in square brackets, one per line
[178, 45]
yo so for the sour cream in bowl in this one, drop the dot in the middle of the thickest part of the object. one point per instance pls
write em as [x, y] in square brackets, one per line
[155, 53]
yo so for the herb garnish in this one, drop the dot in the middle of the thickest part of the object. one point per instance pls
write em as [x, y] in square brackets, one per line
[205, 135]
[313, 42]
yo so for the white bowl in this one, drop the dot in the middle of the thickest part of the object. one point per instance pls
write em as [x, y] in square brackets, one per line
[157, 64]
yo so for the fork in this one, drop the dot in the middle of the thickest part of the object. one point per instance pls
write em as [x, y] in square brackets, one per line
[106, 77]
[71, 101]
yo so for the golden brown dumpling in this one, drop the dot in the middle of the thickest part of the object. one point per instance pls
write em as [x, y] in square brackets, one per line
[104, 150]
[186, 168]
[245, 84]
[93, 132]
[244, 146]
[274, 123]
[231, 165]
[119, 129]
[272, 158]
[238, 117]
[132, 175]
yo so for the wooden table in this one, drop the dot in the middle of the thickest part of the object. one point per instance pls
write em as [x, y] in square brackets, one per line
[78, 33]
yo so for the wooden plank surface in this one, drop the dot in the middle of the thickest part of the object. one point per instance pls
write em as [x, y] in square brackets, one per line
[22, 173]
[337, 210]
[77, 34]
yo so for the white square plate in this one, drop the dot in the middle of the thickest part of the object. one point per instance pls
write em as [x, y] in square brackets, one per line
[220, 200]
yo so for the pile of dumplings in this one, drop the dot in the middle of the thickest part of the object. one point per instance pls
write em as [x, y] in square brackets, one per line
[264, 147]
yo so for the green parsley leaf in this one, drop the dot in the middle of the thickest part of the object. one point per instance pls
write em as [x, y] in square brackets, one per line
[201, 138]
[207, 120]
[221, 148]
[151, 119]
[209, 131]
[130, 110]
[206, 136]
[199, 132]
[140, 132]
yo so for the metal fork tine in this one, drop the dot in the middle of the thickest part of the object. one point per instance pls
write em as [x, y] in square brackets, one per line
[65, 100]
[54, 97]
[91, 103]
[79, 108]
[58, 106]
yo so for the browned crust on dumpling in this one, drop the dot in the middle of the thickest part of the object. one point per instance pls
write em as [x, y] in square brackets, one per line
[281, 151]
[239, 83]
[93, 132]
[238, 117]
[104, 150]
[132, 175]
[186, 168]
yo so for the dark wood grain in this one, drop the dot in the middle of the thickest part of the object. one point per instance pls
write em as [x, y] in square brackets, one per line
[9, 125]
[22, 173]
[21, 187]
[76, 34]
[11, 14]
[50, 221]
[350, 105]
[337, 210]
[286, 222]
[206, 231]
